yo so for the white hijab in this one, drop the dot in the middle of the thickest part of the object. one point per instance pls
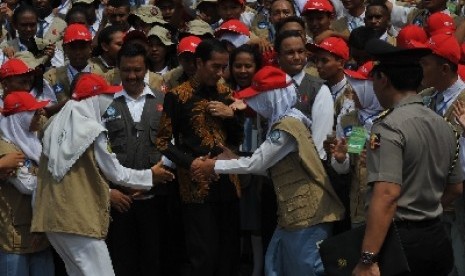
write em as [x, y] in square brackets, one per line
[368, 100]
[71, 131]
[15, 129]
[276, 104]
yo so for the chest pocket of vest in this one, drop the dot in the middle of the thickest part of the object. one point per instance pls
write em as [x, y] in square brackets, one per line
[21, 218]
[154, 129]
[296, 200]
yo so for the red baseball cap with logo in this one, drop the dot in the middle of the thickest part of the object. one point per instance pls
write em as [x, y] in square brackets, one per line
[411, 36]
[440, 23]
[20, 101]
[232, 26]
[14, 67]
[76, 32]
[266, 79]
[318, 5]
[362, 73]
[335, 45]
[188, 44]
[89, 85]
[445, 46]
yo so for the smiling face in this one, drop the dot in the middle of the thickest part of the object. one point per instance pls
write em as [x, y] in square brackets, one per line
[293, 55]
[318, 22]
[133, 70]
[212, 70]
[243, 69]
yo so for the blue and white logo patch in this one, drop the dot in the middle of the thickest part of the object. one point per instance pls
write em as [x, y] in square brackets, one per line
[111, 111]
[347, 131]
[263, 25]
[27, 163]
[58, 88]
[275, 135]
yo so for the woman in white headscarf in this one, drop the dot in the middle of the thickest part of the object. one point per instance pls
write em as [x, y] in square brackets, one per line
[299, 179]
[367, 110]
[73, 196]
[21, 252]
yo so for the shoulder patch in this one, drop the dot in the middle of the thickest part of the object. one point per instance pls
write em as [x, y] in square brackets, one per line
[262, 25]
[58, 88]
[275, 135]
[375, 141]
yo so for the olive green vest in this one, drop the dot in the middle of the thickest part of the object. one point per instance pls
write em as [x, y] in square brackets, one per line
[303, 191]
[16, 216]
[78, 204]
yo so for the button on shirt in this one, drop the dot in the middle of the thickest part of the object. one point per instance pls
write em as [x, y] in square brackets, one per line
[322, 115]
[135, 106]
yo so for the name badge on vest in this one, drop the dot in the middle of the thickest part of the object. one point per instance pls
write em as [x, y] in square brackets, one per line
[58, 88]
[110, 115]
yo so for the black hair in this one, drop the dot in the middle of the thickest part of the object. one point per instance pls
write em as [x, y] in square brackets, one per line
[76, 10]
[105, 36]
[286, 34]
[171, 59]
[402, 78]
[379, 3]
[288, 19]
[361, 35]
[289, 1]
[440, 60]
[23, 8]
[133, 49]
[249, 49]
[205, 49]
[119, 3]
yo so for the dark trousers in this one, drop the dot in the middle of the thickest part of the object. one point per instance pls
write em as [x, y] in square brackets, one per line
[428, 250]
[146, 239]
[212, 238]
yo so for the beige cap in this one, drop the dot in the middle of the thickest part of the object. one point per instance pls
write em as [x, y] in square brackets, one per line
[198, 27]
[204, 1]
[163, 34]
[147, 13]
[83, 1]
[28, 58]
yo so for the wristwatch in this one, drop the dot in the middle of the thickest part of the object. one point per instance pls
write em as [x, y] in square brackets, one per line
[368, 258]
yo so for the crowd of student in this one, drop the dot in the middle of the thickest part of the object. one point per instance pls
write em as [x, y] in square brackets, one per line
[123, 122]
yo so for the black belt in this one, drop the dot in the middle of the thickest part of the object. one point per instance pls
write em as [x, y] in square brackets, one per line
[417, 224]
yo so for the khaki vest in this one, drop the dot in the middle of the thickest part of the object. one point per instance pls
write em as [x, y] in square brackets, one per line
[261, 26]
[58, 80]
[358, 186]
[78, 204]
[97, 67]
[173, 78]
[303, 191]
[53, 35]
[16, 216]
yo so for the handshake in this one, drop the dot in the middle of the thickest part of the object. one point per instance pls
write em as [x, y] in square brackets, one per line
[203, 168]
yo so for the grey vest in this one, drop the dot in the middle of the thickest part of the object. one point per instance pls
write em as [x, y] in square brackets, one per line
[134, 143]
[306, 94]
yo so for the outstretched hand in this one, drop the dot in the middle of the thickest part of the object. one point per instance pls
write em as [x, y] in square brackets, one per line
[339, 150]
[203, 169]
[160, 174]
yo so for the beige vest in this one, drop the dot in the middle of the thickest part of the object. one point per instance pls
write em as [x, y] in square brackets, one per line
[78, 204]
[97, 67]
[58, 80]
[260, 27]
[16, 215]
[303, 191]
[171, 78]
[53, 35]
[358, 186]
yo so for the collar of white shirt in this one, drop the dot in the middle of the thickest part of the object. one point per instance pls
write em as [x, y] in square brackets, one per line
[384, 36]
[145, 92]
[299, 77]
[337, 88]
[72, 72]
[453, 90]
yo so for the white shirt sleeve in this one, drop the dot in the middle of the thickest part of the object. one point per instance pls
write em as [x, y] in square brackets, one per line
[341, 168]
[115, 172]
[399, 15]
[24, 181]
[322, 119]
[266, 156]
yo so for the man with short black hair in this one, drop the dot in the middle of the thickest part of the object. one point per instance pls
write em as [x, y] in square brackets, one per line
[198, 119]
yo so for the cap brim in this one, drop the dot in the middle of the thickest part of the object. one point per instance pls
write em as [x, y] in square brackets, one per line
[78, 39]
[246, 93]
[355, 75]
[112, 89]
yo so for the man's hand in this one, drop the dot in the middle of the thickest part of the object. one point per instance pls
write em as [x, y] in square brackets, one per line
[9, 52]
[219, 109]
[339, 150]
[160, 174]
[366, 270]
[120, 201]
[238, 105]
[227, 154]
[49, 50]
[263, 44]
[6, 12]
[203, 169]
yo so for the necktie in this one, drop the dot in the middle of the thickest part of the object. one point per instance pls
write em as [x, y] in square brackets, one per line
[40, 31]
[440, 104]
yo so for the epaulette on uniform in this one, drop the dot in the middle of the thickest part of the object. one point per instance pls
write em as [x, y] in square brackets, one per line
[383, 114]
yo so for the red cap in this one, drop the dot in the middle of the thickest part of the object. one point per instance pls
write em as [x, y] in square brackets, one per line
[461, 71]
[135, 34]
[266, 79]
[89, 85]
[76, 32]
[411, 36]
[13, 67]
[335, 45]
[440, 23]
[20, 101]
[188, 44]
[362, 72]
[232, 26]
[462, 53]
[445, 46]
[318, 5]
